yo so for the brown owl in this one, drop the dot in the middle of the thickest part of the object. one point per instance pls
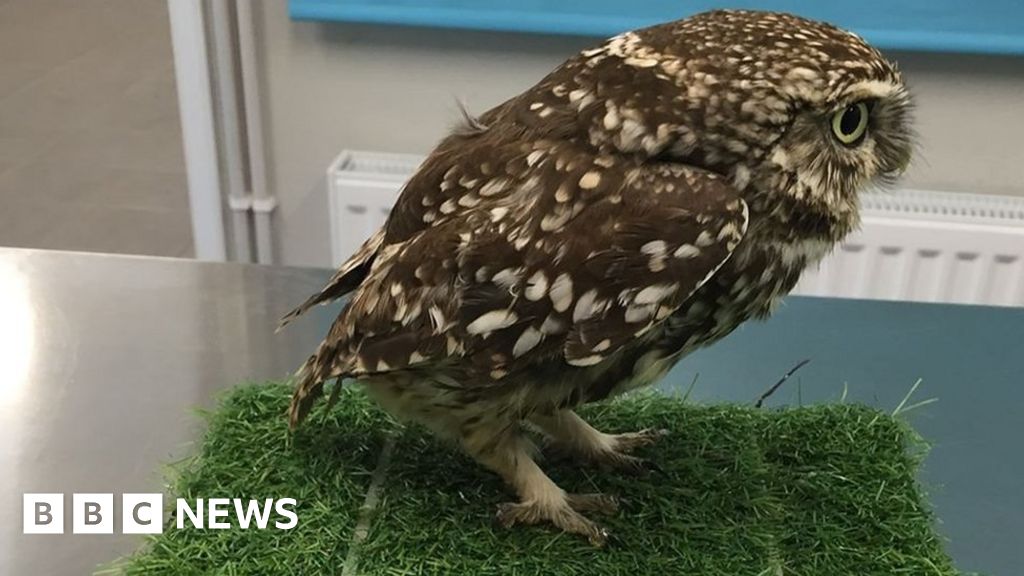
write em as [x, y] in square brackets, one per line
[577, 241]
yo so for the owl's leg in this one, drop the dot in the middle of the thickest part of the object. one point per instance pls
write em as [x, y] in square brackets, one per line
[573, 434]
[508, 453]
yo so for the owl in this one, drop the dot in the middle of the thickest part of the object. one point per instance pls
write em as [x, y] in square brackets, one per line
[575, 242]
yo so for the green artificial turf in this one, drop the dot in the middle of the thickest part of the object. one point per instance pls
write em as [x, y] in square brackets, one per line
[824, 490]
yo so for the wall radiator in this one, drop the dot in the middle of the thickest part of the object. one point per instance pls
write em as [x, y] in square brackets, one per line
[913, 245]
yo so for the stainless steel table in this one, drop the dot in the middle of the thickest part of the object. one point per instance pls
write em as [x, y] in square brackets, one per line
[101, 358]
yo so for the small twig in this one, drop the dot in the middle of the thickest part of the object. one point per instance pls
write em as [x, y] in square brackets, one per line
[917, 405]
[690, 389]
[903, 408]
[770, 391]
[907, 397]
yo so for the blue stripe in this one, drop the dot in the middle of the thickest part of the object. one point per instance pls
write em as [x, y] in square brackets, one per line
[983, 26]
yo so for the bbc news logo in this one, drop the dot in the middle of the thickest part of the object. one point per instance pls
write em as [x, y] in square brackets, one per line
[144, 513]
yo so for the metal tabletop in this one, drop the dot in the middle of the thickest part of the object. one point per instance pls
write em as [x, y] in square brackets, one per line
[102, 358]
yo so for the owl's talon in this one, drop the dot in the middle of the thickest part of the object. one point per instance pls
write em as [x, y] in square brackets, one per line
[507, 514]
[656, 468]
[562, 516]
[630, 441]
[600, 503]
[629, 464]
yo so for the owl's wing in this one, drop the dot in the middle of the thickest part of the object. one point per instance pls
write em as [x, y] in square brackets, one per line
[519, 281]
[566, 264]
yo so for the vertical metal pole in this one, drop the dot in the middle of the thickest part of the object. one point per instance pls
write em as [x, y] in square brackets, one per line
[263, 203]
[192, 74]
[239, 201]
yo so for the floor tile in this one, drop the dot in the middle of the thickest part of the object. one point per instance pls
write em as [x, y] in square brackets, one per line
[128, 231]
[90, 144]
[83, 183]
[6, 165]
[46, 33]
[16, 75]
[24, 147]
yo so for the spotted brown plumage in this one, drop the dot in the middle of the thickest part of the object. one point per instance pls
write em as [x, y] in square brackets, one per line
[639, 202]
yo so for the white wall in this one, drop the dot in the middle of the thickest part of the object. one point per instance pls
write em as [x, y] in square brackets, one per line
[333, 86]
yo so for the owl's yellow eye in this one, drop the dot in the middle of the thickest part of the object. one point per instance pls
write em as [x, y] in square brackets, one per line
[850, 124]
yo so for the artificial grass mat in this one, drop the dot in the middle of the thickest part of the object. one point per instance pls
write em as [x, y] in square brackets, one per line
[824, 490]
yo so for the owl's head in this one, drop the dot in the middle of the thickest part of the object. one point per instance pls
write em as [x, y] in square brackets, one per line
[801, 115]
[831, 115]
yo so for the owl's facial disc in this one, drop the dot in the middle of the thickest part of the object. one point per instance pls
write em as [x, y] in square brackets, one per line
[887, 126]
[851, 138]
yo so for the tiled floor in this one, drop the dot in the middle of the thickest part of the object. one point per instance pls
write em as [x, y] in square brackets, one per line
[90, 145]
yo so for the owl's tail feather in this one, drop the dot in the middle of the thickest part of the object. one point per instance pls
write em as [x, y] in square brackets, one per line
[345, 280]
[311, 378]
[318, 367]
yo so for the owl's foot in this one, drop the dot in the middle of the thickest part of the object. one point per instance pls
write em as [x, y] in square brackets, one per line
[540, 500]
[564, 514]
[616, 451]
[571, 435]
